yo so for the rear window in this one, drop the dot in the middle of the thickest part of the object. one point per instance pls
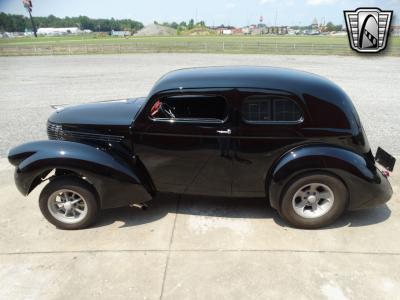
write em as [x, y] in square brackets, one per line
[270, 109]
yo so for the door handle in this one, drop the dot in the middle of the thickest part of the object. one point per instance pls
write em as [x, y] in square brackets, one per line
[228, 131]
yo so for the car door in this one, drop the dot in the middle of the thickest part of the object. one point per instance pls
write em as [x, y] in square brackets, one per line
[269, 124]
[187, 153]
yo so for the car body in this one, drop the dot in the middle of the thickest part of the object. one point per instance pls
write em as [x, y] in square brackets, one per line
[214, 131]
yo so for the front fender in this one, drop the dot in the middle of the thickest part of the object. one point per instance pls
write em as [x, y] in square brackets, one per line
[113, 178]
[357, 172]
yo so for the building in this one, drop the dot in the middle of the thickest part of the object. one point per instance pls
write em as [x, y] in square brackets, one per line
[59, 31]
[225, 30]
[395, 30]
[314, 24]
[315, 29]
[246, 30]
[238, 31]
[277, 30]
[11, 34]
[120, 33]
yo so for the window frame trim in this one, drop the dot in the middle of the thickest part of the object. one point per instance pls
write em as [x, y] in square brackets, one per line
[195, 121]
[190, 120]
[271, 122]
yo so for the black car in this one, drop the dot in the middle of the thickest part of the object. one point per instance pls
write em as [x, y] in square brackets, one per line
[291, 137]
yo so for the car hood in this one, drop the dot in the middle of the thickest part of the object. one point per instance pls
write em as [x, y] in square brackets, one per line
[114, 112]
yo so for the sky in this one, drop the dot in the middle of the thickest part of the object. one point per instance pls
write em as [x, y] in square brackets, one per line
[213, 12]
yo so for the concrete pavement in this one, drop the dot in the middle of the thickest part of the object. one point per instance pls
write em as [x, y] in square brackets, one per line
[191, 248]
[188, 248]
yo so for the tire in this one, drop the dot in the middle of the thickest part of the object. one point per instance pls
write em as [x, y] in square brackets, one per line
[313, 201]
[77, 213]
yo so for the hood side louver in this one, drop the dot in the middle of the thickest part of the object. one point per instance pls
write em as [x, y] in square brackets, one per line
[56, 132]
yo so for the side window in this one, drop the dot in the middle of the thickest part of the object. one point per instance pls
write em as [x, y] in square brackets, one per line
[259, 109]
[190, 108]
[286, 110]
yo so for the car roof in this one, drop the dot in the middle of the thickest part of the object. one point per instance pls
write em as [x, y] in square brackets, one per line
[270, 78]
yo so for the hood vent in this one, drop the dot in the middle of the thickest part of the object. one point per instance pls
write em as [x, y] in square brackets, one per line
[56, 132]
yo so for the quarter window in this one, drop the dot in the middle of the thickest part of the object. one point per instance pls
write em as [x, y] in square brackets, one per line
[270, 109]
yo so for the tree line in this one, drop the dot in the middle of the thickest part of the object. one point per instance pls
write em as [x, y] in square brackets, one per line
[183, 25]
[328, 27]
[18, 23]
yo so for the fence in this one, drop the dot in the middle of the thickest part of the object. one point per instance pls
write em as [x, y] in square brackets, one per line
[184, 47]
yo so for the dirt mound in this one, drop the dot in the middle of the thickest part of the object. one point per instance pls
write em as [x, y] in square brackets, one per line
[199, 31]
[155, 29]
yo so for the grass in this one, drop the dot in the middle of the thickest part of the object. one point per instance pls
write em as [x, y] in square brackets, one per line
[95, 43]
[199, 39]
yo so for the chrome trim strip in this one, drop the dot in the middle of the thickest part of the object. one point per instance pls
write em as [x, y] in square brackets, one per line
[189, 120]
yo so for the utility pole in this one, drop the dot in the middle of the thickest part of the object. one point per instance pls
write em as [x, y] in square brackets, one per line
[28, 5]
[33, 24]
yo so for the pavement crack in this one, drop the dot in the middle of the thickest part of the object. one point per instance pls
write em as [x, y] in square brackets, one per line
[201, 251]
[169, 248]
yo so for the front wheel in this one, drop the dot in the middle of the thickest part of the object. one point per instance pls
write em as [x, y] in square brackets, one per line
[313, 201]
[68, 203]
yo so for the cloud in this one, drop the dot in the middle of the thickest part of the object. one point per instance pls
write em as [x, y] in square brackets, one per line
[321, 2]
[230, 5]
[266, 1]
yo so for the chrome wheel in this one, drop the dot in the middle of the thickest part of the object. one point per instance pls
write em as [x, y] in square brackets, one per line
[67, 206]
[313, 200]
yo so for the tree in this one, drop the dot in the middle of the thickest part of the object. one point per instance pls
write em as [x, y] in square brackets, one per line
[201, 24]
[13, 23]
[83, 21]
[338, 27]
[191, 24]
[330, 26]
[19, 23]
[5, 22]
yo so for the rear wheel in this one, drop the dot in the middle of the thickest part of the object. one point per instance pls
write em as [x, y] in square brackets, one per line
[313, 201]
[68, 203]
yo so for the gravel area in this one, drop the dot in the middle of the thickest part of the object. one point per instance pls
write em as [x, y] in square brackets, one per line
[28, 85]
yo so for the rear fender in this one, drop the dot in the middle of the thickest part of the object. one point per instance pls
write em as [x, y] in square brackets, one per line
[353, 169]
[116, 181]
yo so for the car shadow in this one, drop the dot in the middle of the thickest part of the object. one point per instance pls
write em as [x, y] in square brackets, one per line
[363, 217]
[249, 208]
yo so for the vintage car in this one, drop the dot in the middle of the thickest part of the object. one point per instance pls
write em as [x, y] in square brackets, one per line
[291, 137]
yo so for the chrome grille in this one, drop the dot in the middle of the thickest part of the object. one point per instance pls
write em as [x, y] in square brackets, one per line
[56, 132]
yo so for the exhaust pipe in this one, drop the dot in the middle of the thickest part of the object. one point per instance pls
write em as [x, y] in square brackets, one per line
[141, 206]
